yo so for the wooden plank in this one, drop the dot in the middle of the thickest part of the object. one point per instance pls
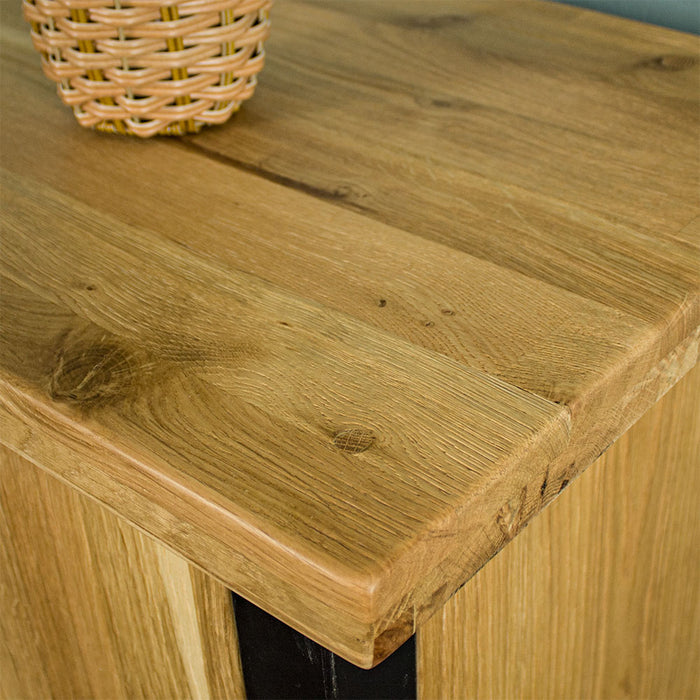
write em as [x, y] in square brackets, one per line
[454, 256]
[553, 343]
[305, 434]
[597, 598]
[92, 608]
[218, 636]
[550, 342]
[547, 139]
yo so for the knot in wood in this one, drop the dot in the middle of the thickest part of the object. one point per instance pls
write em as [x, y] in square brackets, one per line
[91, 374]
[354, 440]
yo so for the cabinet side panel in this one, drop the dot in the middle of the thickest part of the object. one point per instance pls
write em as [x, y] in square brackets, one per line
[90, 607]
[598, 597]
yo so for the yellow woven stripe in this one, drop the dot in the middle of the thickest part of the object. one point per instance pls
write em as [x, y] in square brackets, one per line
[36, 26]
[229, 47]
[88, 46]
[176, 44]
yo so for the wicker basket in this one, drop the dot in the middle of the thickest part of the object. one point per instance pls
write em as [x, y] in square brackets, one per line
[148, 67]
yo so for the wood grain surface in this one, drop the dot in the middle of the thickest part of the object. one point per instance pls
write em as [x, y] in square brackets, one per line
[597, 598]
[89, 607]
[552, 141]
[340, 351]
[285, 423]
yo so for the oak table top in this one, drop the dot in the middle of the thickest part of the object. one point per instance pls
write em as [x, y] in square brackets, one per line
[338, 352]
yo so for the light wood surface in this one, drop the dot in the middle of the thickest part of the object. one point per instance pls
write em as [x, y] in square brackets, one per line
[598, 597]
[90, 607]
[516, 131]
[242, 418]
[341, 365]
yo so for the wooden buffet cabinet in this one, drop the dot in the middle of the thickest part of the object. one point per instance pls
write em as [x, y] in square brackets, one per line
[335, 355]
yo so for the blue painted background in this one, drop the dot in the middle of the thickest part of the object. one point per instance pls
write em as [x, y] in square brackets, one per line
[677, 14]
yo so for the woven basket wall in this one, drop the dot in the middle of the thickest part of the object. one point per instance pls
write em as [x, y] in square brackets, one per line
[145, 67]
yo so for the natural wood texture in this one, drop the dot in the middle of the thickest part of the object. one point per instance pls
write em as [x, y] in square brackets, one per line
[549, 140]
[471, 259]
[598, 597]
[233, 400]
[92, 608]
[219, 637]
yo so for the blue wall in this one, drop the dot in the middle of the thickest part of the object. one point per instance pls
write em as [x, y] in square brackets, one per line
[677, 14]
